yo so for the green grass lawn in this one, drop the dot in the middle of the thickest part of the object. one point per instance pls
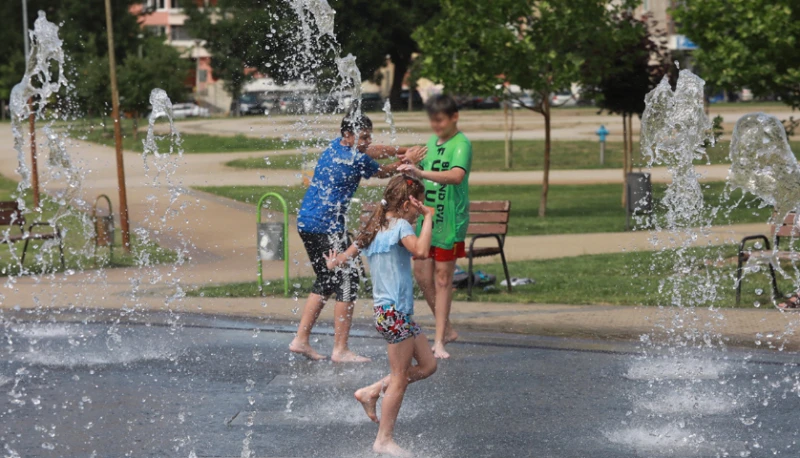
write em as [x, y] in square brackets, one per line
[78, 243]
[612, 279]
[192, 143]
[489, 155]
[572, 209]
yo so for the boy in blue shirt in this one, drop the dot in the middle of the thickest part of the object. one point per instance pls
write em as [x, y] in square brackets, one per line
[321, 224]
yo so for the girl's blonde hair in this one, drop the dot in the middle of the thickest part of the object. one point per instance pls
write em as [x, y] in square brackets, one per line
[397, 192]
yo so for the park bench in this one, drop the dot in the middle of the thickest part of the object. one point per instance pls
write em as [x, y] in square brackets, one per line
[764, 254]
[487, 219]
[11, 215]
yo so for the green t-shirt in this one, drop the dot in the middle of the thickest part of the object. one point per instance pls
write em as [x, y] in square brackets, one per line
[450, 202]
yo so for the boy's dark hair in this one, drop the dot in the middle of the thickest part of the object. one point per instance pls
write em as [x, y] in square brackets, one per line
[352, 124]
[441, 103]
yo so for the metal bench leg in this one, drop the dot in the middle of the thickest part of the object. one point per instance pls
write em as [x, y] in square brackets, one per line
[739, 280]
[501, 243]
[24, 251]
[61, 252]
[776, 294]
[470, 278]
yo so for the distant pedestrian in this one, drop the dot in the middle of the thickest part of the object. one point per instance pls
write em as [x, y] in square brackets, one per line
[445, 172]
[321, 224]
[389, 241]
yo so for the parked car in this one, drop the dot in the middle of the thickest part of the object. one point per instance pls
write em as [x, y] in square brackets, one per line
[522, 101]
[296, 104]
[372, 101]
[249, 104]
[746, 95]
[479, 102]
[189, 110]
[416, 101]
[563, 99]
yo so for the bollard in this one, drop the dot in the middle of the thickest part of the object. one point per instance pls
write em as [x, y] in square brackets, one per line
[271, 246]
[602, 132]
[104, 227]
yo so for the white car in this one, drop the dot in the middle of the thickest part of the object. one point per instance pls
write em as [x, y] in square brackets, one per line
[746, 95]
[189, 110]
[563, 99]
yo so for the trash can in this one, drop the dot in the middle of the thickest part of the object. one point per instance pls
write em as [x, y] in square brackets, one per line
[104, 226]
[270, 241]
[104, 230]
[639, 195]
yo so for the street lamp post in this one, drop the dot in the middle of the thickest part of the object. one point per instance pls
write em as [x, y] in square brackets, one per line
[123, 196]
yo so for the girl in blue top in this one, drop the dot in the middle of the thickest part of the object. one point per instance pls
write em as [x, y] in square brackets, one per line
[389, 241]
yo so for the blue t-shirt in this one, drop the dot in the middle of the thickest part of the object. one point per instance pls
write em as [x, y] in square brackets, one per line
[390, 265]
[336, 178]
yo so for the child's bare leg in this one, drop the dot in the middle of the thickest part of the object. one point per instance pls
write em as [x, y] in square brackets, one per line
[444, 299]
[400, 355]
[342, 320]
[423, 273]
[311, 311]
[425, 367]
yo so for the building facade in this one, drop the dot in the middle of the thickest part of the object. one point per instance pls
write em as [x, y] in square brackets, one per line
[166, 18]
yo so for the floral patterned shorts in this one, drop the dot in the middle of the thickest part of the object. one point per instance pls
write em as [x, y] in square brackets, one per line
[393, 325]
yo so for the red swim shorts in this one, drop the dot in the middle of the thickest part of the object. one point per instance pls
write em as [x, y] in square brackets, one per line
[442, 255]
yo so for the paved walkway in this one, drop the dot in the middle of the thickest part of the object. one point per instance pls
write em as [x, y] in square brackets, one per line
[222, 250]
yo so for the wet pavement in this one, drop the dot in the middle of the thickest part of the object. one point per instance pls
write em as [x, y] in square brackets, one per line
[162, 385]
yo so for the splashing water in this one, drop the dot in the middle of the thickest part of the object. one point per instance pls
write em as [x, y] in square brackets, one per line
[323, 16]
[762, 163]
[38, 83]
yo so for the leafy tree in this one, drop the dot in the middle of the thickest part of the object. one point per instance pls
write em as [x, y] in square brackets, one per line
[746, 43]
[236, 33]
[541, 46]
[640, 62]
[82, 28]
[159, 66]
[371, 30]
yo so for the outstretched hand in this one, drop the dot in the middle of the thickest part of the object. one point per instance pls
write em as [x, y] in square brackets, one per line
[332, 259]
[414, 154]
[421, 208]
[409, 169]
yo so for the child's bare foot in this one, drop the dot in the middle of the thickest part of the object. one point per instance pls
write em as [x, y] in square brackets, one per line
[439, 351]
[369, 401]
[451, 336]
[390, 448]
[303, 348]
[348, 356]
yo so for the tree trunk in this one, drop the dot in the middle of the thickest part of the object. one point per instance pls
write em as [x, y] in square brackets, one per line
[236, 94]
[624, 159]
[2, 109]
[400, 68]
[630, 142]
[546, 165]
[509, 113]
[136, 127]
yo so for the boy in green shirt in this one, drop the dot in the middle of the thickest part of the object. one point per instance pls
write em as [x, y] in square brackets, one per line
[445, 171]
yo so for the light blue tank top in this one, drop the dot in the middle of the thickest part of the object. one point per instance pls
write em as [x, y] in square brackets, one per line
[390, 266]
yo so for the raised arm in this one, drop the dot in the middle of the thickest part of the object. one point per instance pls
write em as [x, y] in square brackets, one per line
[420, 247]
[452, 176]
[384, 151]
[337, 259]
[411, 154]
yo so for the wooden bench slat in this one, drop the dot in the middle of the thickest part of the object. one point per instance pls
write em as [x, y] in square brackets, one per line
[490, 206]
[497, 217]
[484, 229]
[483, 252]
